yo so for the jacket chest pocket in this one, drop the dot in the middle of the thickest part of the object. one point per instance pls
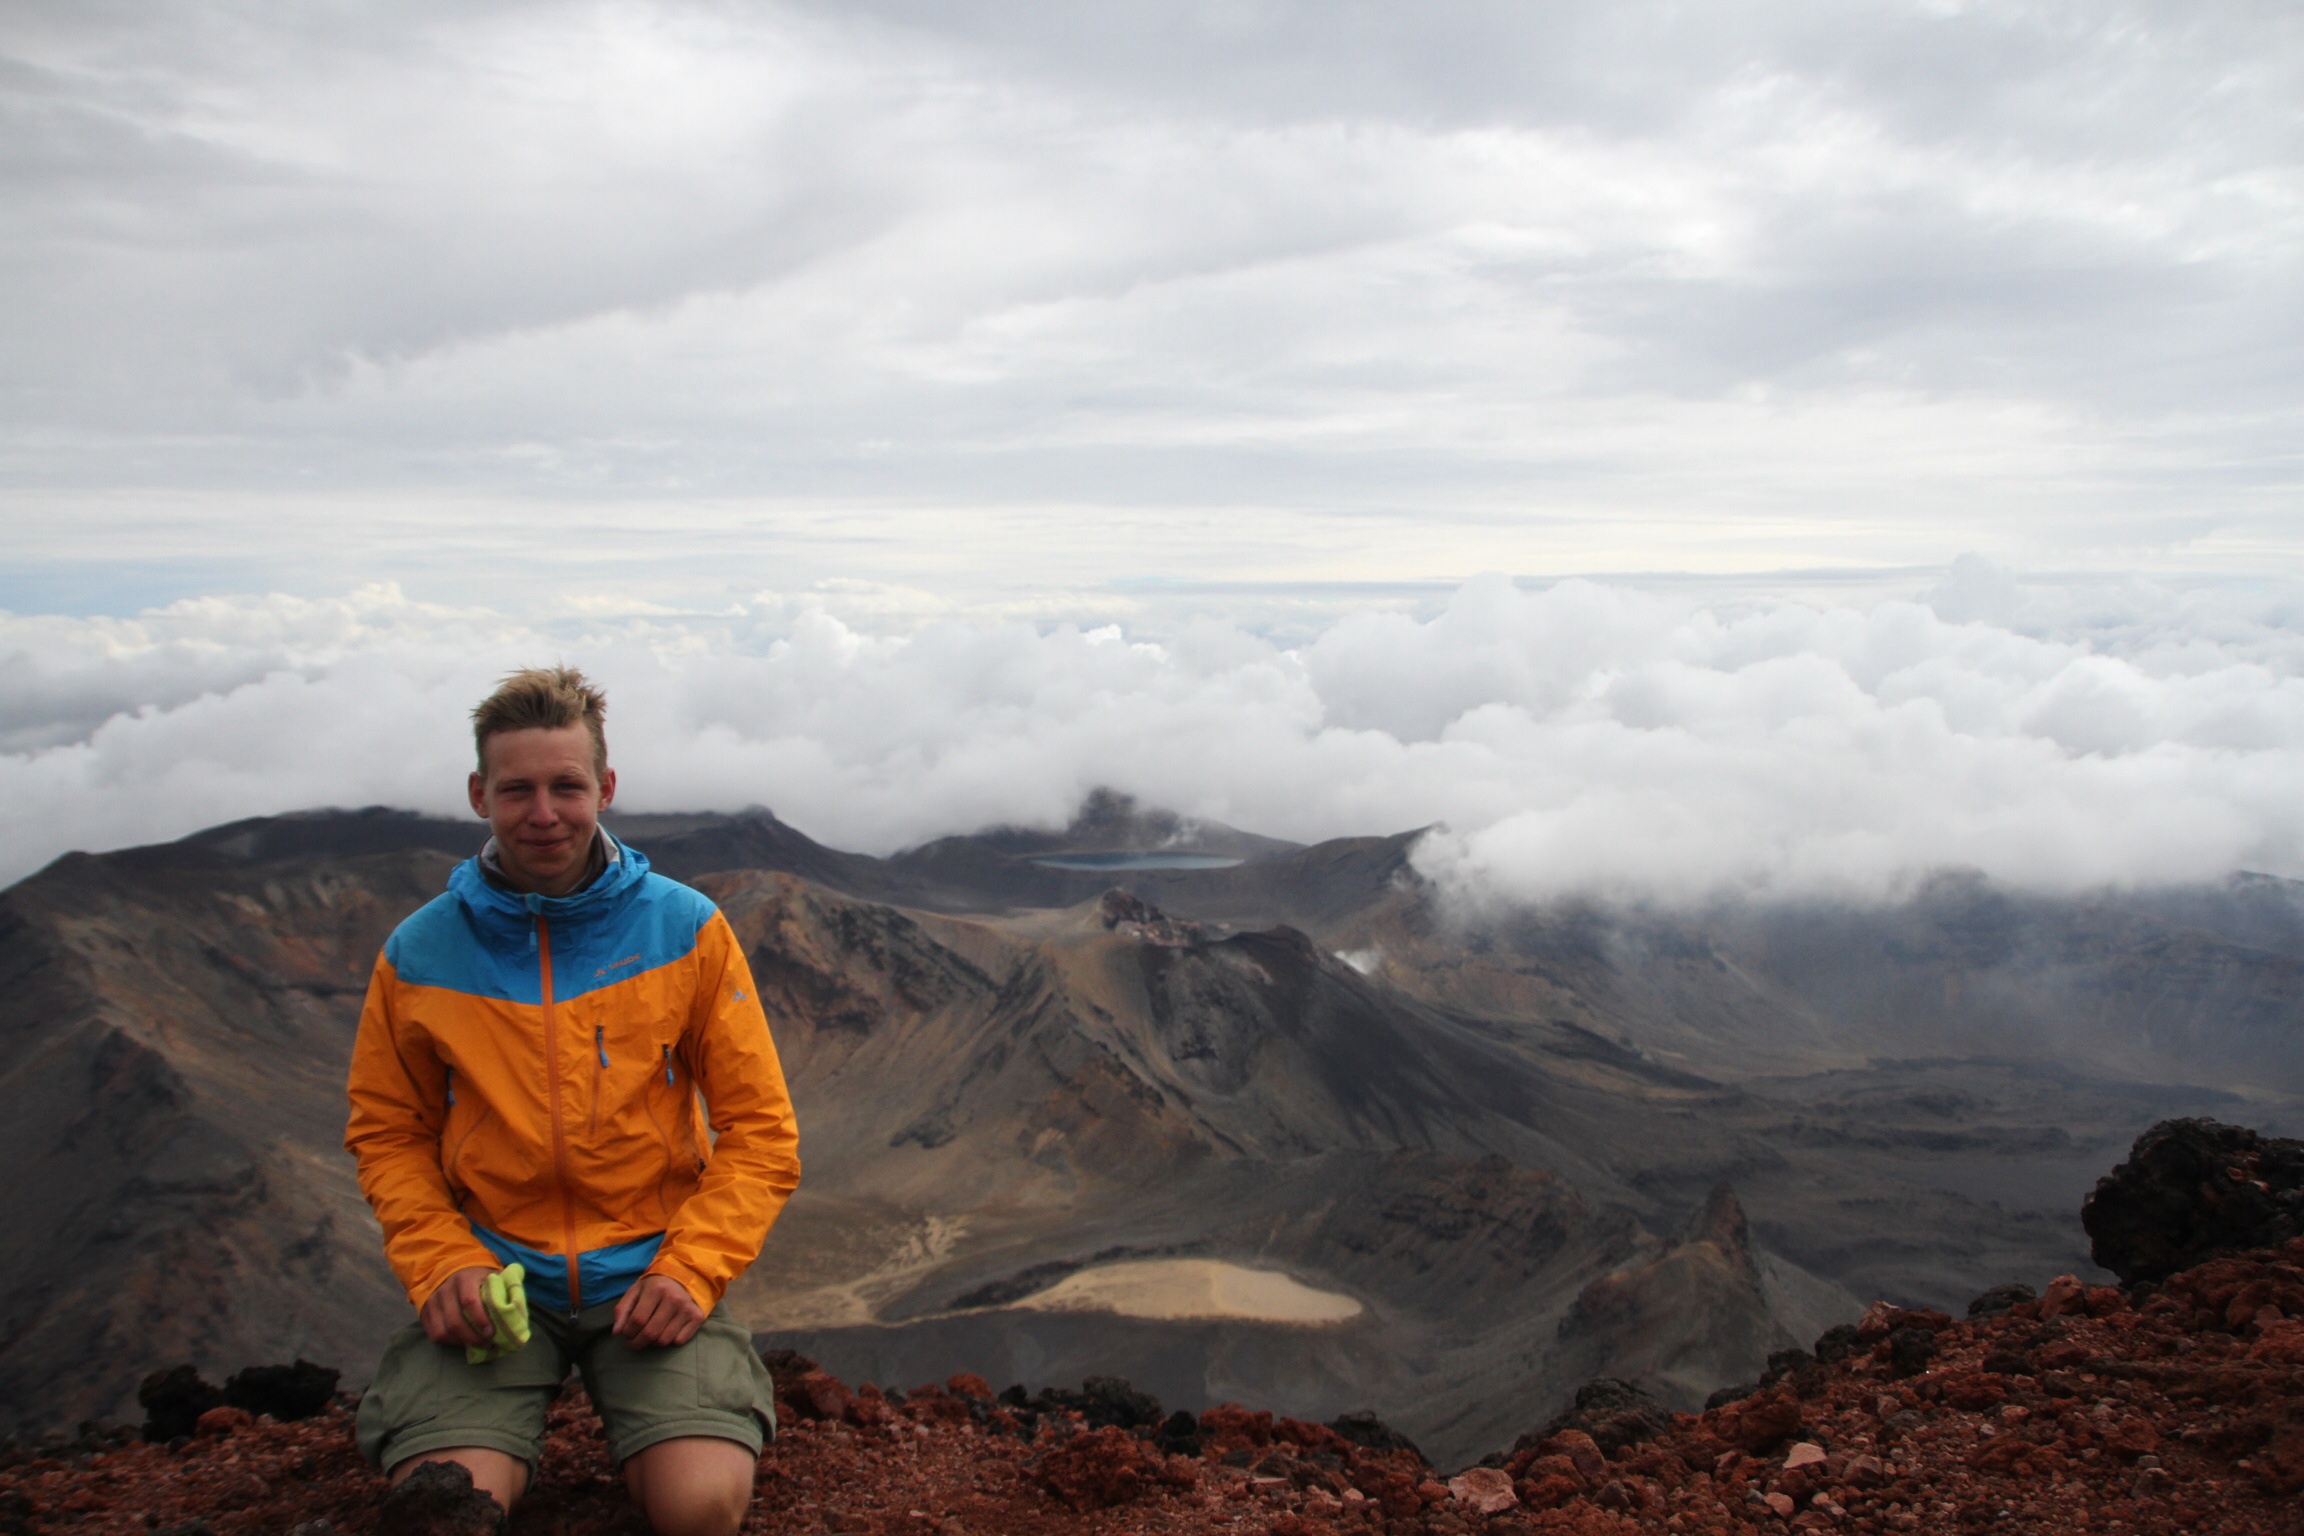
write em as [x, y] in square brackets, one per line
[638, 1079]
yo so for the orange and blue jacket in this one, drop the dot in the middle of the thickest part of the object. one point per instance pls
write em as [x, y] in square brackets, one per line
[526, 1085]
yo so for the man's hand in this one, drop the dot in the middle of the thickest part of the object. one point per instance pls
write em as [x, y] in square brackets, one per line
[657, 1313]
[505, 1295]
[455, 1314]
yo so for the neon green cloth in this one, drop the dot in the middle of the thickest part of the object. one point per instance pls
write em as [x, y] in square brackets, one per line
[505, 1295]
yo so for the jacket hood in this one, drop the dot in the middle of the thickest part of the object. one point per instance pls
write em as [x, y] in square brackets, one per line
[489, 902]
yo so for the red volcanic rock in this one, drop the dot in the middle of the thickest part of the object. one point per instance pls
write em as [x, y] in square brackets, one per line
[2153, 1420]
[869, 1406]
[2280, 1465]
[1105, 1467]
[1232, 1428]
[1583, 1453]
[824, 1396]
[1485, 1490]
[1973, 1391]
[1881, 1320]
[1759, 1422]
[1548, 1491]
[1395, 1492]
[222, 1421]
[2065, 1294]
[1311, 1438]
[2280, 1343]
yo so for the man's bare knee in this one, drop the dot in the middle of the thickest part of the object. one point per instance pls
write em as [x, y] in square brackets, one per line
[693, 1486]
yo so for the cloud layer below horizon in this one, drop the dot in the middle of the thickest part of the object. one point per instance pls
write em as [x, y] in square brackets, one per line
[1578, 738]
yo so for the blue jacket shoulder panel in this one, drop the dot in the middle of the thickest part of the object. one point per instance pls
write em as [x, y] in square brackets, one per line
[441, 944]
[480, 940]
[655, 925]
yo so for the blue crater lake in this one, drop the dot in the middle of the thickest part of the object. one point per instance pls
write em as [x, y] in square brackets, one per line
[1137, 861]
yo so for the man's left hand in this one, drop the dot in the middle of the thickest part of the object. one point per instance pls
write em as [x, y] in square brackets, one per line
[657, 1313]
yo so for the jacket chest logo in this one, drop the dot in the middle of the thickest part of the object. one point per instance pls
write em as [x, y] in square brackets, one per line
[615, 965]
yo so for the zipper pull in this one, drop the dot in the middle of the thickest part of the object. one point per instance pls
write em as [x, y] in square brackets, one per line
[667, 1064]
[600, 1041]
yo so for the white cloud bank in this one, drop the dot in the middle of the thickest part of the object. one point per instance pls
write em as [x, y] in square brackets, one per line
[1582, 737]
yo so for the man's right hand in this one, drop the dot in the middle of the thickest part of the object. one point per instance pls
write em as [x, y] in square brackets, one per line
[455, 1314]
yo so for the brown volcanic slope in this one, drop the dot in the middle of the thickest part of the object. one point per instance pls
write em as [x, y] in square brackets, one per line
[1502, 1142]
[172, 1049]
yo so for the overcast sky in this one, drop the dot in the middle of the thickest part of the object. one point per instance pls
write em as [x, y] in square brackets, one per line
[685, 331]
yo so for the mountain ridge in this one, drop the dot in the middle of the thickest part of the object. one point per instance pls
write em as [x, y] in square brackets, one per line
[1304, 1063]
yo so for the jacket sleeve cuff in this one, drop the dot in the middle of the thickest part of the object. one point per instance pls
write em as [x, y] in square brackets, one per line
[699, 1290]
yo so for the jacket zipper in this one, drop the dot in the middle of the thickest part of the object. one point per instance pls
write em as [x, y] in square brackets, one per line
[559, 1134]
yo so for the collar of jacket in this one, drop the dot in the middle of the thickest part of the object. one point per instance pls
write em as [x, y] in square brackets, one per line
[608, 893]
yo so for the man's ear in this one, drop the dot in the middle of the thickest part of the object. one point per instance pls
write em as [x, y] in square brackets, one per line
[607, 787]
[477, 788]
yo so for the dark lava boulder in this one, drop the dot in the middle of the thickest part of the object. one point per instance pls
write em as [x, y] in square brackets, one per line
[1110, 1402]
[1179, 1434]
[438, 1499]
[1804, 1370]
[1371, 1433]
[1614, 1413]
[1997, 1301]
[1911, 1349]
[173, 1402]
[2193, 1189]
[1839, 1342]
[287, 1392]
[1106, 1402]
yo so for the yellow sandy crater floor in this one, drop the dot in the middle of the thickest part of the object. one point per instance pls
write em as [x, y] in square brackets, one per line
[1191, 1288]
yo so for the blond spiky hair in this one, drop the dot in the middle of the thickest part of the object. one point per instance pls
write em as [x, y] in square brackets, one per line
[542, 698]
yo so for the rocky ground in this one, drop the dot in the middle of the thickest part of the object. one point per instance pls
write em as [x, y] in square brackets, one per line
[2176, 1407]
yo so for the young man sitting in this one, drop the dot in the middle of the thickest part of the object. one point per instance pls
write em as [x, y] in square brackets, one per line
[526, 1087]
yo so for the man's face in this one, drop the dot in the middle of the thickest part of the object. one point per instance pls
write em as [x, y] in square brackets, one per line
[542, 801]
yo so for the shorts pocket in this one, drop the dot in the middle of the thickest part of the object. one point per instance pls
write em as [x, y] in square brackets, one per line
[730, 1376]
[722, 1378]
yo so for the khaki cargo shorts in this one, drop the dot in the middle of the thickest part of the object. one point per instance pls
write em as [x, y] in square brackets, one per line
[425, 1398]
